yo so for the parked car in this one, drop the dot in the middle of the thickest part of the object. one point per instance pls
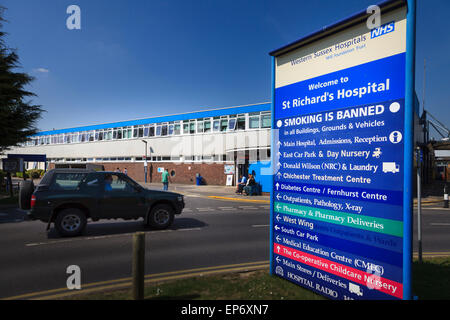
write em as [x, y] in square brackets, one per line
[69, 197]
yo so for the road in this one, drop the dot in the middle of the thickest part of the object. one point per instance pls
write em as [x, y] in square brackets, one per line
[209, 233]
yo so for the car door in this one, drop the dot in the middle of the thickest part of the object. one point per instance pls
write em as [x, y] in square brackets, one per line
[121, 198]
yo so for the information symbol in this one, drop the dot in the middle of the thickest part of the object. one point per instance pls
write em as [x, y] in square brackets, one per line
[395, 137]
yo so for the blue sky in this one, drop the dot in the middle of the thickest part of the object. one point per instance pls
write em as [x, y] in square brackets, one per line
[136, 59]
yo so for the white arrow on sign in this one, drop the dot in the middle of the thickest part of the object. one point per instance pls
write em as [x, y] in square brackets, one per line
[278, 207]
[279, 154]
[278, 164]
[279, 175]
[278, 196]
[279, 143]
[278, 238]
[277, 185]
[277, 227]
[278, 249]
[278, 259]
[278, 217]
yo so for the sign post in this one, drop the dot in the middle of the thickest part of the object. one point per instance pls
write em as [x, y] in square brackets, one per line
[341, 202]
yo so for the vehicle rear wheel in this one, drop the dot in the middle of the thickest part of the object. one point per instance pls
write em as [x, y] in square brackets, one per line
[25, 193]
[70, 222]
[161, 216]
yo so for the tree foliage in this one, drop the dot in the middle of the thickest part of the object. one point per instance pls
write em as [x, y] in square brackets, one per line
[18, 115]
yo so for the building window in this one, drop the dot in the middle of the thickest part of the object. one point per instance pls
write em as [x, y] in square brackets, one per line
[158, 130]
[232, 124]
[164, 130]
[185, 127]
[240, 124]
[151, 131]
[177, 129]
[216, 125]
[128, 133]
[199, 126]
[266, 120]
[254, 121]
[207, 126]
[223, 124]
[171, 126]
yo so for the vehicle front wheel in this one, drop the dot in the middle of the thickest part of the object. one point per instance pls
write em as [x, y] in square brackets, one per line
[70, 222]
[161, 216]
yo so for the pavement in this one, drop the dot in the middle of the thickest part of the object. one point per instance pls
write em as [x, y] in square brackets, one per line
[228, 193]
[210, 191]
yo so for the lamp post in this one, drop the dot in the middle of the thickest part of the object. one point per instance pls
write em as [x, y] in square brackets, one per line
[145, 162]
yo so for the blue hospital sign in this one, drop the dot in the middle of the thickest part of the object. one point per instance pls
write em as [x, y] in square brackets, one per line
[338, 157]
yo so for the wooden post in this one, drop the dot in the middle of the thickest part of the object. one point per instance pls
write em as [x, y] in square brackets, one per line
[138, 268]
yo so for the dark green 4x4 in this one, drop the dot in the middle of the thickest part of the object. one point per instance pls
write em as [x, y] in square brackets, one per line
[69, 197]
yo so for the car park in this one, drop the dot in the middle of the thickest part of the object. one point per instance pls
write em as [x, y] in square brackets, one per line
[69, 197]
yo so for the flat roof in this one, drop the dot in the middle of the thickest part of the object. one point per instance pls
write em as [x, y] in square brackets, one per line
[265, 106]
[336, 27]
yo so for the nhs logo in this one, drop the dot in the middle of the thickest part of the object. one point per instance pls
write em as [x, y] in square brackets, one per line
[382, 30]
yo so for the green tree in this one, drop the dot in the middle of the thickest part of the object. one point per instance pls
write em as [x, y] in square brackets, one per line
[18, 115]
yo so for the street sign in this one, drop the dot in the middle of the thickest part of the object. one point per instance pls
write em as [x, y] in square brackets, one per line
[341, 202]
[13, 165]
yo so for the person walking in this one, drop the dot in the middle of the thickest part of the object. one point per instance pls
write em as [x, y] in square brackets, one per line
[165, 178]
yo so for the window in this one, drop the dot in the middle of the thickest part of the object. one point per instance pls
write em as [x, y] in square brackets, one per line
[254, 121]
[128, 133]
[185, 127]
[266, 120]
[151, 131]
[177, 129]
[108, 135]
[192, 127]
[199, 126]
[216, 125]
[146, 131]
[232, 124]
[140, 131]
[164, 130]
[207, 126]
[158, 130]
[119, 184]
[223, 124]
[240, 124]
[171, 126]
[67, 181]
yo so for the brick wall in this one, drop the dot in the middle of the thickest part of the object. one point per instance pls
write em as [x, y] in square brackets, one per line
[185, 173]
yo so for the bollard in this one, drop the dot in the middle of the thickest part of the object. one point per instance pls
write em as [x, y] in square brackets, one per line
[445, 196]
[138, 268]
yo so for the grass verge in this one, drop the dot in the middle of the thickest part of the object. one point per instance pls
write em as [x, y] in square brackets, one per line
[431, 280]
